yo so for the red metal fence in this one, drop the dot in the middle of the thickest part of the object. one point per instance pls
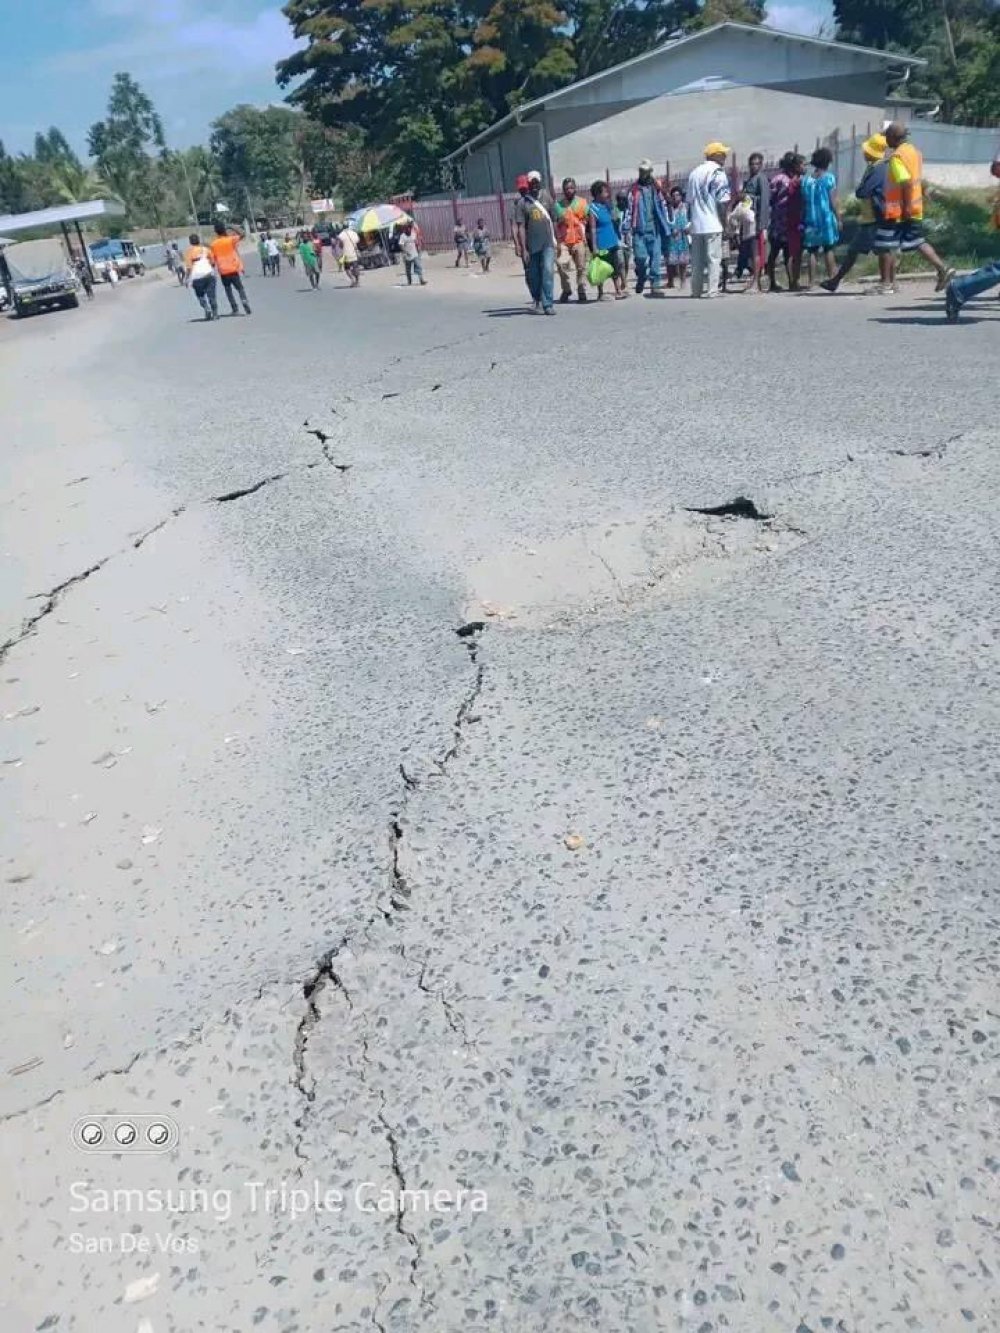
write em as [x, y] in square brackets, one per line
[436, 218]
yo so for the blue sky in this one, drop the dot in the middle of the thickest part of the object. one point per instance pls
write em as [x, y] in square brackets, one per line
[196, 58]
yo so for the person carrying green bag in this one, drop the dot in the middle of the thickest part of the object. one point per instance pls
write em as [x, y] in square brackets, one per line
[605, 243]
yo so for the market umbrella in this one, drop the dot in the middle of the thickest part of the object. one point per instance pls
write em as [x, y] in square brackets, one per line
[379, 217]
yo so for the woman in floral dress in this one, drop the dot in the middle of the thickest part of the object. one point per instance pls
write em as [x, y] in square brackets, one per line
[678, 244]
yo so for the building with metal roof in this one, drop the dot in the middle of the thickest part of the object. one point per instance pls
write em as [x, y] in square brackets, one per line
[751, 86]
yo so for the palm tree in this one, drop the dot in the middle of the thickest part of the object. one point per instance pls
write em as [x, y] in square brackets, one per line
[73, 182]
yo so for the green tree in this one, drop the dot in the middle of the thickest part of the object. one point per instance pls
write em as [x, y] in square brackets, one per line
[605, 32]
[52, 147]
[21, 185]
[886, 24]
[129, 146]
[960, 40]
[726, 11]
[257, 156]
[520, 51]
[344, 65]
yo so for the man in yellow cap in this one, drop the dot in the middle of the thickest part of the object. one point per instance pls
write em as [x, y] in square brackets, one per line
[708, 198]
[871, 193]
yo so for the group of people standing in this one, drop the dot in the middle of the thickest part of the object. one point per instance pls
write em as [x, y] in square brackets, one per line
[648, 226]
[790, 218]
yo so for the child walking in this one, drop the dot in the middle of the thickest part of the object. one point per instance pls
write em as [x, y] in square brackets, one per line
[678, 242]
[603, 237]
[482, 245]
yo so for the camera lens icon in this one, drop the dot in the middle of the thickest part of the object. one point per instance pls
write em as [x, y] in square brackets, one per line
[139, 1133]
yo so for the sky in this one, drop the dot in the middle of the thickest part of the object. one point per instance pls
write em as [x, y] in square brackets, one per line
[195, 58]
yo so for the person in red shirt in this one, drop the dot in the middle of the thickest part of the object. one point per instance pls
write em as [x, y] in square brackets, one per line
[229, 266]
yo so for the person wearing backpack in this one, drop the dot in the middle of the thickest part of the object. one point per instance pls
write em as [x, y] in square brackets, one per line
[199, 265]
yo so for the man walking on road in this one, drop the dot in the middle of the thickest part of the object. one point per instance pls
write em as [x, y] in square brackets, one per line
[200, 268]
[650, 226]
[708, 196]
[571, 231]
[904, 203]
[410, 250]
[308, 256]
[349, 242]
[535, 240]
[229, 266]
[871, 195]
[273, 255]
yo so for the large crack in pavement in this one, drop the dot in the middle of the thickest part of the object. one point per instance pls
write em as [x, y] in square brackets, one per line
[52, 598]
[325, 978]
[927, 453]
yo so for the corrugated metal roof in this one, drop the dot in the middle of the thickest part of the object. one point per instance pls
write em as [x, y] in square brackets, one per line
[889, 57]
[51, 217]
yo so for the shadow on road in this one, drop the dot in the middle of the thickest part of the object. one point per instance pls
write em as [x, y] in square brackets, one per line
[508, 311]
[929, 321]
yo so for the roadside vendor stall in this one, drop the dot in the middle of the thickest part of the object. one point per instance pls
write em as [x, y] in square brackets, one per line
[375, 225]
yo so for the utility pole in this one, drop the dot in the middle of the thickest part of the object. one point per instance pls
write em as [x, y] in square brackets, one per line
[187, 186]
[949, 35]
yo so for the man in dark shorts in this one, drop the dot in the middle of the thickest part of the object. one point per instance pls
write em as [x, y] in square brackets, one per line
[904, 207]
[871, 195]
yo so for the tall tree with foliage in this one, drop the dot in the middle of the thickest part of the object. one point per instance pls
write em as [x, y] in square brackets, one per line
[257, 156]
[129, 148]
[960, 39]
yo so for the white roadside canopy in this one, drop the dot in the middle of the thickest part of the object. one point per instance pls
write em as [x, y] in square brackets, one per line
[59, 216]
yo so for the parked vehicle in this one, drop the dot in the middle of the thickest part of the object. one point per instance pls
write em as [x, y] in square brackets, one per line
[123, 254]
[60, 289]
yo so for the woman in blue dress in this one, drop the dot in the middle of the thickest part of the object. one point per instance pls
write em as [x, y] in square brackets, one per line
[820, 215]
[678, 244]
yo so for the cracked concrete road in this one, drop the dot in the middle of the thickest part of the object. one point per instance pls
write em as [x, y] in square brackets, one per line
[538, 902]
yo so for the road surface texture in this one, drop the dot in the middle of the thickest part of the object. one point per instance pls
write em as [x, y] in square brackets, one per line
[527, 785]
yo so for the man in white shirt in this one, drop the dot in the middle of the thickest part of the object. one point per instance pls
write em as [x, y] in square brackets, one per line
[409, 248]
[708, 196]
[273, 255]
[349, 242]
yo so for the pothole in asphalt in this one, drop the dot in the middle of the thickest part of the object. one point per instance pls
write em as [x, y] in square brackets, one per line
[741, 507]
[613, 567]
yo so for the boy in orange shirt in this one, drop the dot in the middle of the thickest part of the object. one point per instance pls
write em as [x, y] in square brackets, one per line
[571, 213]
